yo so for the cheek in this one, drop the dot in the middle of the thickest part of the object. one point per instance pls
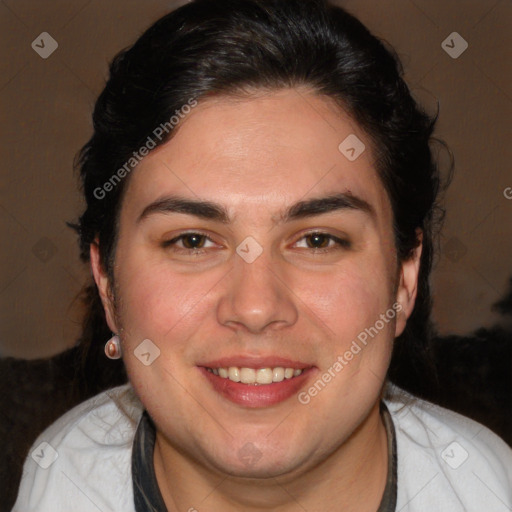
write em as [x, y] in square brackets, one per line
[167, 308]
[156, 301]
[350, 299]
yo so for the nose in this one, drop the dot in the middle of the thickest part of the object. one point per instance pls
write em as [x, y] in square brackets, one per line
[257, 297]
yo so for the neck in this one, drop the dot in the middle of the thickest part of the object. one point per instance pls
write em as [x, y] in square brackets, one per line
[351, 478]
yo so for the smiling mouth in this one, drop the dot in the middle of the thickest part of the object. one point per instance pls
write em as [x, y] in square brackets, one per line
[256, 376]
[257, 385]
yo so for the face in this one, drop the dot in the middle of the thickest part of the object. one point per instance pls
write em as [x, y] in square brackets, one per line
[251, 246]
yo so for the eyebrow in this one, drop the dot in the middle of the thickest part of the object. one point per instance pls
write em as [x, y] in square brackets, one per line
[302, 209]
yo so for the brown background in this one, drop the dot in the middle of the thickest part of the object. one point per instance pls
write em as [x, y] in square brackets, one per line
[46, 118]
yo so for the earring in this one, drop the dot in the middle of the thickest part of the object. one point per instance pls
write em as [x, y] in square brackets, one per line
[113, 347]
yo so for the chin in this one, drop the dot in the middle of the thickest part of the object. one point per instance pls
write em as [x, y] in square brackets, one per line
[257, 460]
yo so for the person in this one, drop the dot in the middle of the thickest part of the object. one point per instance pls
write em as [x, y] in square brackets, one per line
[261, 206]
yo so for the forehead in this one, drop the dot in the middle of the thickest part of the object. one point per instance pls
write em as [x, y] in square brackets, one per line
[261, 153]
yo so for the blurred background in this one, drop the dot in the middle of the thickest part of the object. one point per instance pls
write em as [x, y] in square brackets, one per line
[54, 64]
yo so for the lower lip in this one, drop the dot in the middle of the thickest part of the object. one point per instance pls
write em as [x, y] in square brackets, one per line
[250, 395]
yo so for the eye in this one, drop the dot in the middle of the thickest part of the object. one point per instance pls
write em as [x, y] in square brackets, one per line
[323, 242]
[188, 242]
[196, 243]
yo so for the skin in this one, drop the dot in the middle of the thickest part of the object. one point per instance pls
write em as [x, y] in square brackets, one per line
[256, 157]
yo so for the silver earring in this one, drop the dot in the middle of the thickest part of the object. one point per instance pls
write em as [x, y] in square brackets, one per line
[113, 347]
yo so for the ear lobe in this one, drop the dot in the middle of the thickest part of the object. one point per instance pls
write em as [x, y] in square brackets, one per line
[103, 284]
[408, 286]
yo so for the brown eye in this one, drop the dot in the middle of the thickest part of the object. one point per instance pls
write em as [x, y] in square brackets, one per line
[318, 240]
[322, 242]
[191, 242]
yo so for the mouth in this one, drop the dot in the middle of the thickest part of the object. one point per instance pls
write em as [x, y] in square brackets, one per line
[256, 376]
[256, 385]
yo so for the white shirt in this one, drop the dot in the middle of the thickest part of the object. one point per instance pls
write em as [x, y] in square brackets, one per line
[446, 462]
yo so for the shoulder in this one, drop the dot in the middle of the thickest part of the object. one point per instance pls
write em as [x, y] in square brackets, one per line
[446, 461]
[84, 458]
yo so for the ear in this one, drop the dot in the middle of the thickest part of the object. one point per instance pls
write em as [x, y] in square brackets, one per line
[104, 286]
[408, 286]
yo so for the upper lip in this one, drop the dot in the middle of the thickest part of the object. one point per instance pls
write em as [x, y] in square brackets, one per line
[256, 362]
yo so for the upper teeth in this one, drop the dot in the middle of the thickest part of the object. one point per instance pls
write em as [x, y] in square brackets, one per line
[256, 376]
